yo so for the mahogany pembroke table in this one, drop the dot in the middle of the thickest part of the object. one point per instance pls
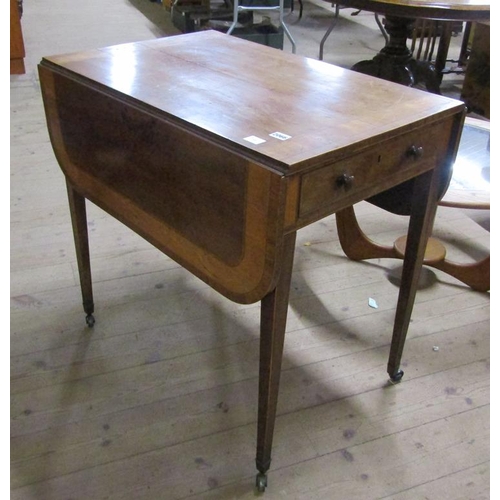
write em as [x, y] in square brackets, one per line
[217, 150]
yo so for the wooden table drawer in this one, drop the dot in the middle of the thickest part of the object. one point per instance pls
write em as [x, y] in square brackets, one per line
[353, 179]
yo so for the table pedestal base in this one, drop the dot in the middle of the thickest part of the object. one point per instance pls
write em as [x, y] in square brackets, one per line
[395, 62]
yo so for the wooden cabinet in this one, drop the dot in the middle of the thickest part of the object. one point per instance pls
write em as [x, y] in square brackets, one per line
[16, 40]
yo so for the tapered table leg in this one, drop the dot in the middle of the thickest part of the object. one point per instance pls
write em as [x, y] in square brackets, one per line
[80, 234]
[425, 198]
[274, 308]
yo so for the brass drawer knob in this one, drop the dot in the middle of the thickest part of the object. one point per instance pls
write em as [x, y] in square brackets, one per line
[415, 152]
[345, 181]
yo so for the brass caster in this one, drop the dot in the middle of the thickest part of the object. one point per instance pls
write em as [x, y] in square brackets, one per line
[261, 482]
[396, 378]
[90, 320]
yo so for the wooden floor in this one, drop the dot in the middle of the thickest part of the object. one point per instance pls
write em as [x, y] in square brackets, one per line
[159, 400]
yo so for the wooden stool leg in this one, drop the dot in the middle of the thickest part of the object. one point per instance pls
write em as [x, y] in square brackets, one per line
[476, 274]
[80, 234]
[423, 211]
[355, 244]
[274, 308]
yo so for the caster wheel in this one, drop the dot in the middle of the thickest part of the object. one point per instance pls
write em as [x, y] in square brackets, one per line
[396, 378]
[261, 482]
[90, 320]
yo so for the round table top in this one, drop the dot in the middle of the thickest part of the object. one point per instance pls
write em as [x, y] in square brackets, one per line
[456, 10]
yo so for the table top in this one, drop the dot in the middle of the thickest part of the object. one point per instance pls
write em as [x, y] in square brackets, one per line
[315, 110]
[213, 148]
[459, 10]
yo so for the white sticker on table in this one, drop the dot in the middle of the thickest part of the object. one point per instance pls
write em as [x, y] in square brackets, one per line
[254, 139]
[281, 136]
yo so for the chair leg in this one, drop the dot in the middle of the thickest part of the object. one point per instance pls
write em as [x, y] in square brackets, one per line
[301, 7]
[330, 29]
[381, 28]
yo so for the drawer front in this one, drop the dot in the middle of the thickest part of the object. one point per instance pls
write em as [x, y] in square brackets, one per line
[348, 181]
